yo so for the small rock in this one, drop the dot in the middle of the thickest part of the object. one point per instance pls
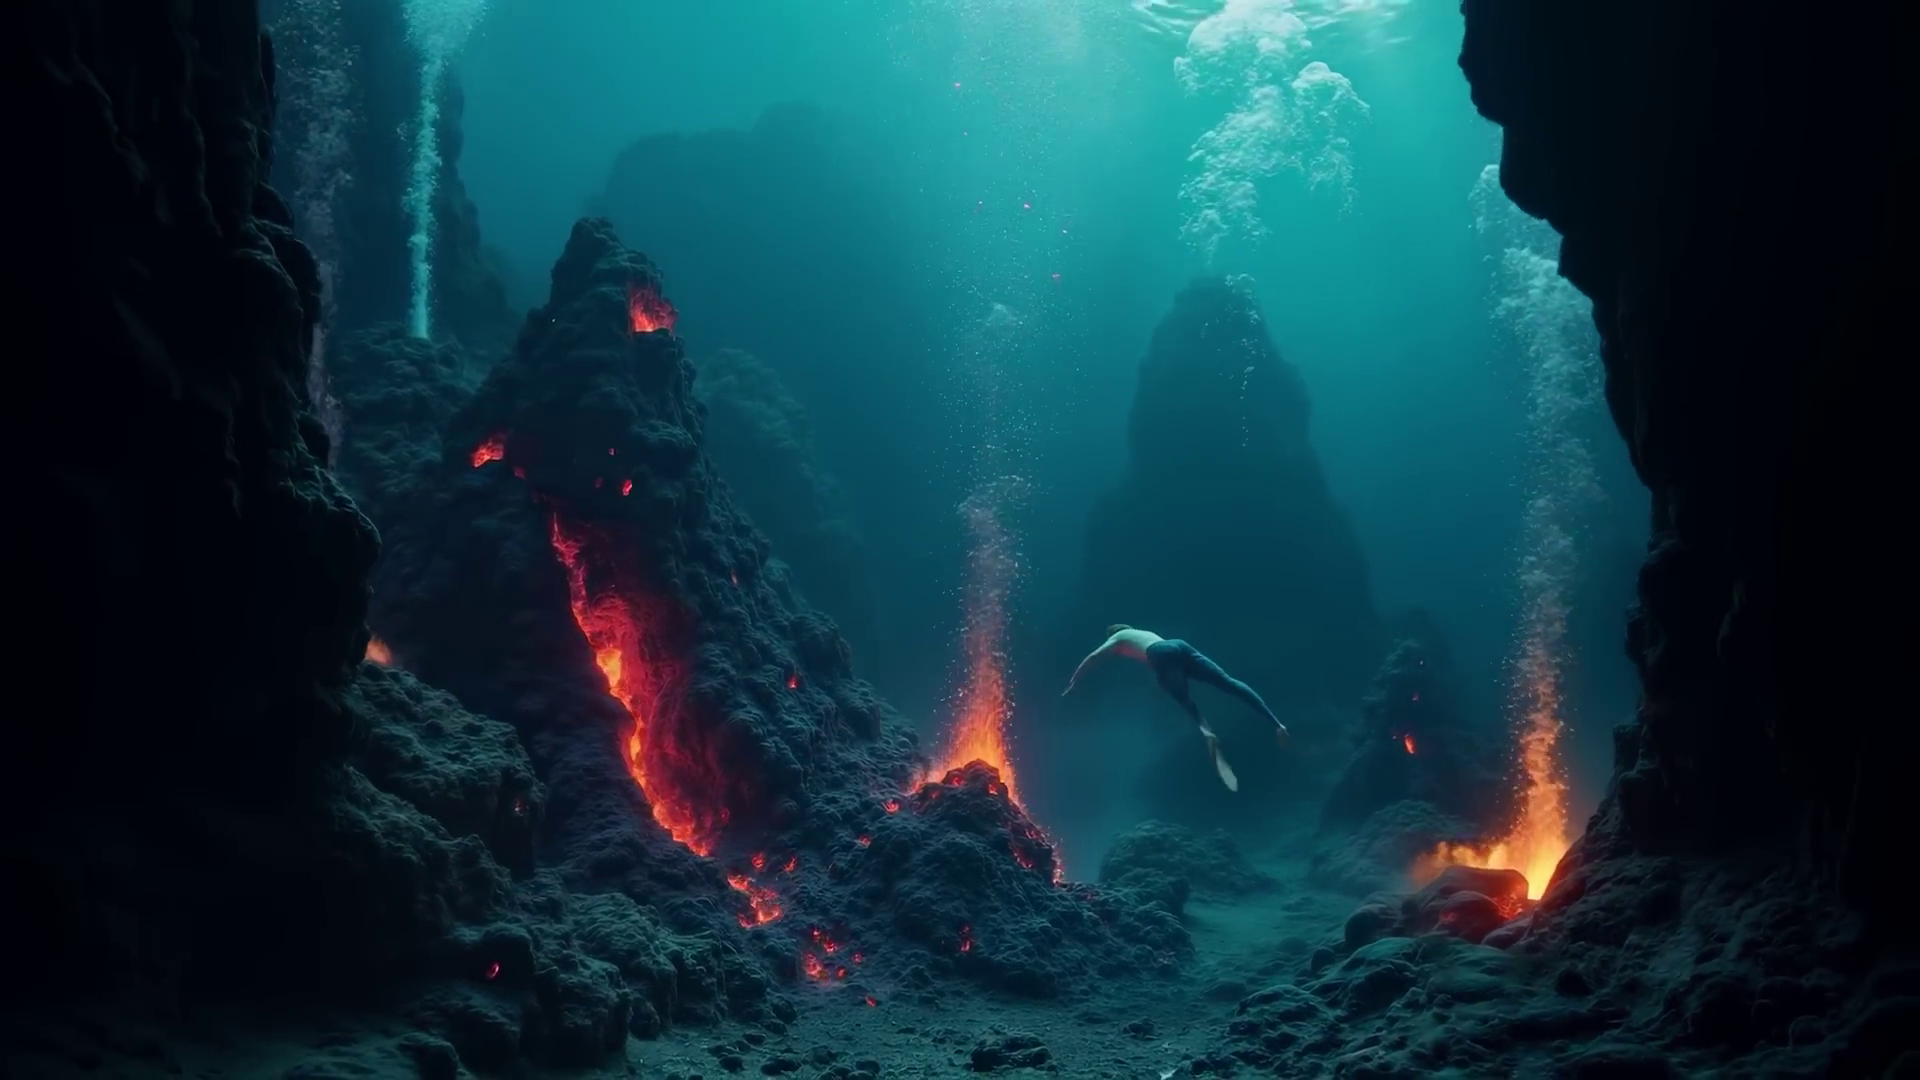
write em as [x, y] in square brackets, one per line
[1014, 1051]
[780, 1066]
[1321, 960]
[1569, 982]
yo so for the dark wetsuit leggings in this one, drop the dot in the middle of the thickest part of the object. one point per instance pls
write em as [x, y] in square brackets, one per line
[1176, 663]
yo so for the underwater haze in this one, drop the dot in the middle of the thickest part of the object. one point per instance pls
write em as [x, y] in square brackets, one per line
[1121, 472]
[962, 220]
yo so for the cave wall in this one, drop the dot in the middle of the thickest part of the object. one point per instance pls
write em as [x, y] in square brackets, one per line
[1728, 218]
[205, 635]
[211, 575]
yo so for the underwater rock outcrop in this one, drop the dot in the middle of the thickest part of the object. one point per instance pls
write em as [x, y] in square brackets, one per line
[759, 438]
[1411, 741]
[577, 569]
[1251, 558]
[396, 393]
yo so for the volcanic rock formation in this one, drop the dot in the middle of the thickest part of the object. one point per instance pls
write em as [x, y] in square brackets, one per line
[577, 569]
[235, 808]
[400, 393]
[761, 441]
[1223, 531]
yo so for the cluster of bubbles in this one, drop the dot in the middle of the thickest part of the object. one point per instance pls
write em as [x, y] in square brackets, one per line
[314, 71]
[1551, 327]
[1013, 79]
[1290, 112]
[439, 30]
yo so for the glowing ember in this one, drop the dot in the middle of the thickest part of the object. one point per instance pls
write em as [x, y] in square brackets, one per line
[493, 449]
[893, 806]
[648, 311]
[793, 681]
[378, 653]
[966, 938]
[615, 630]
[871, 1003]
[493, 971]
[812, 966]
[626, 487]
[759, 860]
[864, 841]
[1407, 741]
[763, 903]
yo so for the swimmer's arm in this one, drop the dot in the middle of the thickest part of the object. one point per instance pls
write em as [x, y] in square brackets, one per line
[1105, 648]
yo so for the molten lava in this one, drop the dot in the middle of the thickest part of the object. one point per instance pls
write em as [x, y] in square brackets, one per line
[378, 653]
[1539, 835]
[1407, 741]
[764, 903]
[648, 311]
[616, 628]
[493, 449]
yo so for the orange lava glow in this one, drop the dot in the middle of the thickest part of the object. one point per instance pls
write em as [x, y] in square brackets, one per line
[1407, 741]
[378, 653]
[493, 449]
[1540, 835]
[615, 630]
[648, 311]
[763, 902]
[980, 726]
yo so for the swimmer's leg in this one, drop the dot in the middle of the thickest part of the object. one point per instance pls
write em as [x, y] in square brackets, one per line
[1213, 741]
[1201, 668]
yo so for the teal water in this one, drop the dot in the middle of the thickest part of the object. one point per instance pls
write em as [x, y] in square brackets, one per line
[1059, 170]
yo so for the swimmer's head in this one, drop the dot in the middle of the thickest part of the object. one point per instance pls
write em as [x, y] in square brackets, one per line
[1116, 628]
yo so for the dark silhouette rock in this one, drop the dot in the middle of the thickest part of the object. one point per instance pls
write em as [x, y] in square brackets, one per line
[1271, 585]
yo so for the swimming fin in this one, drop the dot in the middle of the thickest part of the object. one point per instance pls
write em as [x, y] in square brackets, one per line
[1220, 766]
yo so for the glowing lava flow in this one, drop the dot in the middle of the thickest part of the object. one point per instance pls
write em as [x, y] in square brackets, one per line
[613, 630]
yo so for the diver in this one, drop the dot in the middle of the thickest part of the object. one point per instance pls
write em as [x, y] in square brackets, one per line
[1176, 663]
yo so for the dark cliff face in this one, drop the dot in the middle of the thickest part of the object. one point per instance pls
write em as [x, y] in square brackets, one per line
[1724, 194]
[202, 578]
